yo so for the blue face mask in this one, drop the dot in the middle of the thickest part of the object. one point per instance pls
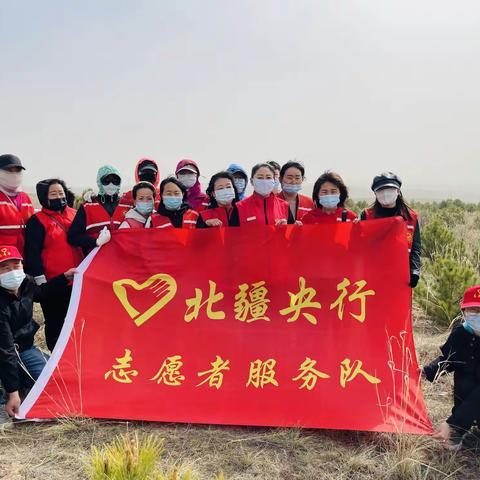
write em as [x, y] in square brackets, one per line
[13, 279]
[329, 201]
[224, 196]
[262, 186]
[291, 188]
[472, 319]
[145, 208]
[240, 183]
[172, 203]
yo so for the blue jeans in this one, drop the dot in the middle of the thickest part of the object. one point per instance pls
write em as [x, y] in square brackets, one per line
[33, 360]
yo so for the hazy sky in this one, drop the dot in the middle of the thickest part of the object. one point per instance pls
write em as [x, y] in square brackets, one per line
[357, 86]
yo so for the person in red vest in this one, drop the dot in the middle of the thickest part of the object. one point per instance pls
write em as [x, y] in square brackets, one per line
[188, 174]
[329, 195]
[15, 206]
[146, 170]
[95, 220]
[263, 207]
[389, 202]
[292, 175]
[144, 201]
[173, 210]
[223, 195]
[48, 253]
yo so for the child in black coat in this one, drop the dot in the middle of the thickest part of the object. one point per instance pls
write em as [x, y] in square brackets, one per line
[461, 355]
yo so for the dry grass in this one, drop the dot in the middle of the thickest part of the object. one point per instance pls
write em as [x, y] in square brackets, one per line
[61, 450]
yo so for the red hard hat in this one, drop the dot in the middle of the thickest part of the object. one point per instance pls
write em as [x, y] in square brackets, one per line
[8, 252]
[471, 297]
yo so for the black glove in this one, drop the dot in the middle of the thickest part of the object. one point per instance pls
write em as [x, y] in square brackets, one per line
[414, 278]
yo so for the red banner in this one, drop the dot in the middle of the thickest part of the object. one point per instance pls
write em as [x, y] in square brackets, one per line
[296, 326]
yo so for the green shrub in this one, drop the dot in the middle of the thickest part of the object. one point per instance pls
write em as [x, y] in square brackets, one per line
[442, 286]
[438, 239]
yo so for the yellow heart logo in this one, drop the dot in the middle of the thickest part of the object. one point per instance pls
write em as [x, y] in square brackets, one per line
[160, 289]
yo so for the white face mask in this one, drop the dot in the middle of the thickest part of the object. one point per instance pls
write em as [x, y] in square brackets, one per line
[263, 187]
[13, 279]
[111, 189]
[224, 196]
[387, 196]
[240, 183]
[10, 181]
[188, 180]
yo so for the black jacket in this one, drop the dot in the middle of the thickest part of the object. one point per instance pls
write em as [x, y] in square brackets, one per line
[461, 355]
[175, 216]
[17, 327]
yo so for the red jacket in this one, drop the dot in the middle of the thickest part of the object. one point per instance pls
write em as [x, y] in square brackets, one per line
[219, 213]
[189, 220]
[411, 224]
[13, 220]
[259, 210]
[304, 205]
[318, 215]
[58, 255]
[97, 218]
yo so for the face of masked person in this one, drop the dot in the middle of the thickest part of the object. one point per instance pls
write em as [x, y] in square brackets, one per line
[11, 179]
[292, 180]
[240, 184]
[223, 191]
[172, 196]
[187, 178]
[11, 274]
[144, 201]
[472, 318]
[329, 195]
[263, 181]
[111, 185]
[387, 197]
[56, 198]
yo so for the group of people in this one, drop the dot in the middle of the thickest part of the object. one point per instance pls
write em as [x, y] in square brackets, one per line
[47, 245]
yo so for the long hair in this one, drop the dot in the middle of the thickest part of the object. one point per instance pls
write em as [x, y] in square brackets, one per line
[337, 180]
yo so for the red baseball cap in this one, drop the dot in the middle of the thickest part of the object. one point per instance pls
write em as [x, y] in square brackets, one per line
[471, 297]
[8, 252]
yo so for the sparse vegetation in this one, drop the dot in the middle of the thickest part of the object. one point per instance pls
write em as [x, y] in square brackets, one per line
[62, 450]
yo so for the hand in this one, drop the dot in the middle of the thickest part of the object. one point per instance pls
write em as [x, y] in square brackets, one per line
[280, 221]
[104, 237]
[13, 403]
[214, 222]
[41, 279]
[69, 274]
[443, 433]
[87, 196]
[414, 278]
[356, 220]
[298, 222]
[421, 371]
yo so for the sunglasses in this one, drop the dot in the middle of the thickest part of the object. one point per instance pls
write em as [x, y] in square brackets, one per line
[115, 179]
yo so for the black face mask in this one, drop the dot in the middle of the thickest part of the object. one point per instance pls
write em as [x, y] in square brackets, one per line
[57, 204]
[148, 176]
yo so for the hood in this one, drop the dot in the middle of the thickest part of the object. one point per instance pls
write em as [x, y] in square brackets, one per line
[103, 172]
[236, 168]
[140, 163]
[42, 192]
[184, 162]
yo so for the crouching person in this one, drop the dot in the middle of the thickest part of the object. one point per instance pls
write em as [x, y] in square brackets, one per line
[461, 355]
[20, 361]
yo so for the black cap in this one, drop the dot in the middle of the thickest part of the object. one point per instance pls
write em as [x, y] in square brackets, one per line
[384, 180]
[148, 165]
[9, 160]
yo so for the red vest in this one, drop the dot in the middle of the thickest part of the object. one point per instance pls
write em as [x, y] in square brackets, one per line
[97, 217]
[132, 223]
[58, 255]
[304, 205]
[411, 224]
[219, 213]
[317, 215]
[252, 209]
[189, 220]
[13, 220]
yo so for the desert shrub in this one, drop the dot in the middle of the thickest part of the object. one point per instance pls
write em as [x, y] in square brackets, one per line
[438, 239]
